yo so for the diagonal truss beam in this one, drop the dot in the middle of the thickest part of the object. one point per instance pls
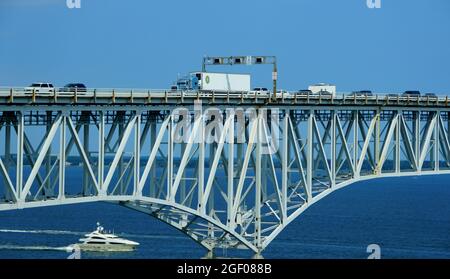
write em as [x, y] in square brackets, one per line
[82, 152]
[152, 158]
[41, 156]
[120, 149]
[366, 144]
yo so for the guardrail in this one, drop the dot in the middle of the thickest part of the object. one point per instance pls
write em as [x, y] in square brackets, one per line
[20, 94]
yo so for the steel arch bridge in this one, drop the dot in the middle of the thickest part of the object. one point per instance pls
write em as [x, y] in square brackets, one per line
[228, 170]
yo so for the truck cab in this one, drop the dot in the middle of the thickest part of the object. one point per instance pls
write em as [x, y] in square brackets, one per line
[185, 83]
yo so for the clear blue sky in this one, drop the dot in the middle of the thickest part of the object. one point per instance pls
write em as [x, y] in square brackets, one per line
[145, 44]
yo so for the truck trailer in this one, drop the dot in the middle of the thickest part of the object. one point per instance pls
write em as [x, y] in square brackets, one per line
[221, 82]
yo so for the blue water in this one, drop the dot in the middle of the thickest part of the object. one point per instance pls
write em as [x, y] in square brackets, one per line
[408, 217]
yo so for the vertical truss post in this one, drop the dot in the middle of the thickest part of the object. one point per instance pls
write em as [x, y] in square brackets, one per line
[19, 164]
[230, 181]
[377, 139]
[201, 163]
[121, 162]
[8, 195]
[258, 156]
[436, 146]
[48, 157]
[62, 158]
[85, 119]
[284, 165]
[153, 168]
[240, 137]
[333, 148]
[309, 154]
[101, 151]
[416, 128]
[397, 159]
[355, 139]
[170, 136]
[448, 127]
[137, 153]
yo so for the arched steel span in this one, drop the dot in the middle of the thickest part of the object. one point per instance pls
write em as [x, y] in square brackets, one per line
[228, 173]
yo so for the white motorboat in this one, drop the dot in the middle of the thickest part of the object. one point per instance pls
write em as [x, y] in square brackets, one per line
[101, 240]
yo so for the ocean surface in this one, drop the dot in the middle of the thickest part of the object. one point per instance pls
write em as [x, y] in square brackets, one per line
[407, 217]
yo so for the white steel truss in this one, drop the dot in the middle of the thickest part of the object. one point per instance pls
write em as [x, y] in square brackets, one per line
[228, 193]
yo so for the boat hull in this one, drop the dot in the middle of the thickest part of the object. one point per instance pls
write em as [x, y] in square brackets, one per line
[106, 247]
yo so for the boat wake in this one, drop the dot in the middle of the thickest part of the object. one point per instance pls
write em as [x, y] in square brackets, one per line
[36, 248]
[61, 232]
[54, 232]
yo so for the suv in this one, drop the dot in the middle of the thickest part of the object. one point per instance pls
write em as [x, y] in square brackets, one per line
[412, 93]
[40, 88]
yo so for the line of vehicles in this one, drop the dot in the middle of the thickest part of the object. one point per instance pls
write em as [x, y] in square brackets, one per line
[224, 82]
[227, 83]
[46, 87]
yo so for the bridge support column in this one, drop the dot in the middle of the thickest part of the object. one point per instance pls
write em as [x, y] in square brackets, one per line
[153, 168]
[284, 165]
[258, 183]
[48, 159]
[121, 162]
[397, 159]
[437, 142]
[355, 141]
[7, 160]
[309, 155]
[416, 130]
[19, 164]
[448, 125]
[86, 150]
[210, 254]
[377, 141]
[101, 150]
[62, 158]
[230, 168]
[333, 149]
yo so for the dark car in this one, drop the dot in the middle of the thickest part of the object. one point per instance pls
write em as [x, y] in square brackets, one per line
[325, 93]
[362, 93]
[430, 95]
[304, 92]
[412, 93]
[73, 87]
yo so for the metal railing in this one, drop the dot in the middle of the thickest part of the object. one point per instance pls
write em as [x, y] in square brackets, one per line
[11, 94]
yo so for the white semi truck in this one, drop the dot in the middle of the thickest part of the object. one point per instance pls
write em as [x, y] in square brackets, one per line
[221, 82]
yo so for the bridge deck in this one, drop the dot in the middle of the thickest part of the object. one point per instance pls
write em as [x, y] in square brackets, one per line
[20, 96]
